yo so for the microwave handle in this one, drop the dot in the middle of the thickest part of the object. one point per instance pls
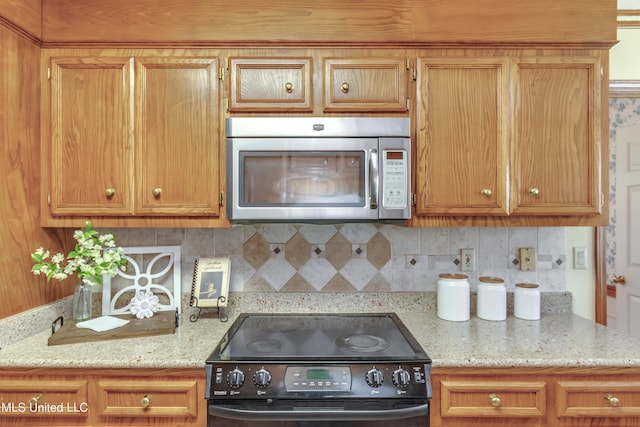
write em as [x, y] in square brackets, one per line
[373, 178]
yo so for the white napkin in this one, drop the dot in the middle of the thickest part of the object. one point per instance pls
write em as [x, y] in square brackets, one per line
[102, 323]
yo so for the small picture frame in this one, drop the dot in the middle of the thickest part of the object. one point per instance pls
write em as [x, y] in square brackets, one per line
[210, 282]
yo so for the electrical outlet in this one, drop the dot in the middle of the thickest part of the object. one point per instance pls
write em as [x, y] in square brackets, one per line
[468, 259]
[527, 259]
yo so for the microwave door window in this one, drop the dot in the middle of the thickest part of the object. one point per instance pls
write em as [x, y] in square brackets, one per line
[312, 179]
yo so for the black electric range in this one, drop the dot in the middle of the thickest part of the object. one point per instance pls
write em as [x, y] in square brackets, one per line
[318, 368]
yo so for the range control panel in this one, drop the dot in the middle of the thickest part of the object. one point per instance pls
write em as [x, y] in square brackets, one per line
[370, 380]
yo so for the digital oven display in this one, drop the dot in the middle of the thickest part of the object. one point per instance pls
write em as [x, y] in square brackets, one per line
[317, 378]
[319, 374]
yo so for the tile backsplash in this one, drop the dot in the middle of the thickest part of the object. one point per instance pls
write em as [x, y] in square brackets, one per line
[360, 257]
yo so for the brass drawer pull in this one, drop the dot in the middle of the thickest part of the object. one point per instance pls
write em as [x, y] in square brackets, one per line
[288, 86]
[157, 192]
[533, 191]
[146, 401]
[109, 192]
[486, 192]
[494, 400]
[344, 87]
[613, 401]
[35, 399]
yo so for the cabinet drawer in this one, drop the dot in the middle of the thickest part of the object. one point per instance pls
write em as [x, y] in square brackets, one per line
[598, 399]
[493, 399]
[147, 398]
[36, 398]
[270, 84]
[365, 84]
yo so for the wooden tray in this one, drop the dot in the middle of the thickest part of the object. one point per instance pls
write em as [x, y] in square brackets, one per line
[163, 322]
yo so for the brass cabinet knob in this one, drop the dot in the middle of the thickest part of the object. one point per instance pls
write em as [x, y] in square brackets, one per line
[494, 400]
[486, 192]
[613, 401]
[157, 192]
[620, 280]
[109, 192]
[146, 401]
[344, 87]
[533, 191]
[288, 86]
[35, 399]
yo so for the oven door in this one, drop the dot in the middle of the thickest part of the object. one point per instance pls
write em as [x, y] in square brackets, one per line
[321, 413]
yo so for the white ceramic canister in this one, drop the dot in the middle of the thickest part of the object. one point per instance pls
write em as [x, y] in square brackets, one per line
[453, 297]
[526, 301]
[492, 299]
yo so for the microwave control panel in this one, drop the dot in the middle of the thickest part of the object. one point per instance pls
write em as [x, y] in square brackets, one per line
[395, 167]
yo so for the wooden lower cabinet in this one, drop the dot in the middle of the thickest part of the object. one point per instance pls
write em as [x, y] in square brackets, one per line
[562, 397]
[32, 400]
[103, 397]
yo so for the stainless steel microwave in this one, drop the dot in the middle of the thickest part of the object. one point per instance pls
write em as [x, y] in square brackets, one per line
[310, 169]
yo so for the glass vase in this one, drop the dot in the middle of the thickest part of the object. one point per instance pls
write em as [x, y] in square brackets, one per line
[81, 302]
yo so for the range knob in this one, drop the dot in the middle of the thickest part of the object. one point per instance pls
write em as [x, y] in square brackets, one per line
[401, 378]
[374, 378]
[262, 378]
[235, 378]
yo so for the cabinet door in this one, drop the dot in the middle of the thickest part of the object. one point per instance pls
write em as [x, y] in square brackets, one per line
[556, 144]
[365, 84]
[91, 136]
[493, 399]
[43, 402]
[462, 136]
[177, 147]
[270, 84]
[611, 399]
[141, 399]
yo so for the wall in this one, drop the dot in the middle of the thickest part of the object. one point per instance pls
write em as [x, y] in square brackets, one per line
[581, 283]
[359, 257]
[20, 165]
[624, 58]
[624, 65]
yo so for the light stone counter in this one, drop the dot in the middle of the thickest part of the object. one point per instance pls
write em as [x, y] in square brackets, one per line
[559, 339]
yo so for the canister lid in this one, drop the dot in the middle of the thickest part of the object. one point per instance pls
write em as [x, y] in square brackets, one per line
[453, 276]
[527, 285]
[491, 280]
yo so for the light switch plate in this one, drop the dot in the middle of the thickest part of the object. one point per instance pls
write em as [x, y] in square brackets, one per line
[527, 259]
[579, 258]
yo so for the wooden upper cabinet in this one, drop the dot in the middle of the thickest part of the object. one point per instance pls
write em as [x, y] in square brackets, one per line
[132, 138]
[365, 84]
[556, 143]
[177, 159]
[270, 84]
[91, 136]
[461, 136]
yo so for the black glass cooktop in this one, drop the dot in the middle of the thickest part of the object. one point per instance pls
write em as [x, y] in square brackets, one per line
[318, 337]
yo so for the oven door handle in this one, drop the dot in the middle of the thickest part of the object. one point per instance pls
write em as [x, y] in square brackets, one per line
[319, 414]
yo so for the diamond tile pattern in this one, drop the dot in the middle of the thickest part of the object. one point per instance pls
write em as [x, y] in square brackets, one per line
[346, 257]
[362, 257]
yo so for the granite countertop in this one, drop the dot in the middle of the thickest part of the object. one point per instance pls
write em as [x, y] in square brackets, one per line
[558, 339]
